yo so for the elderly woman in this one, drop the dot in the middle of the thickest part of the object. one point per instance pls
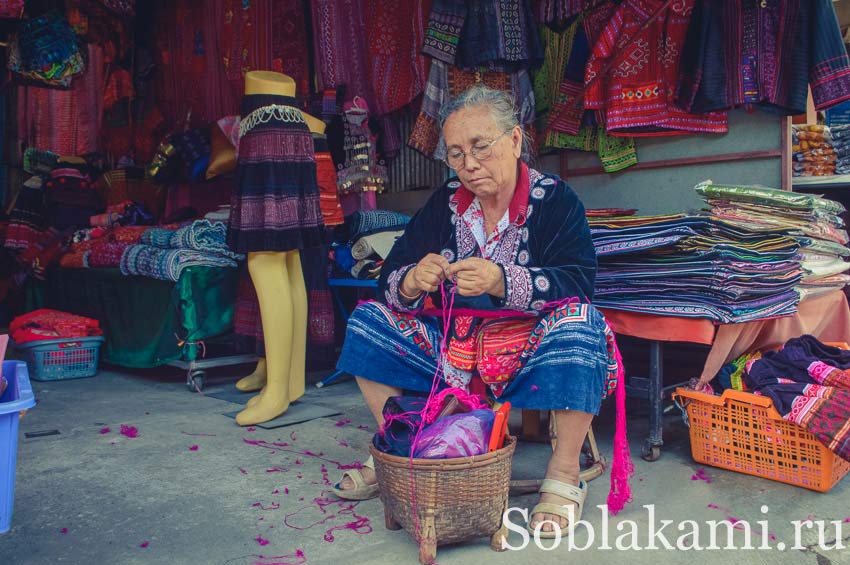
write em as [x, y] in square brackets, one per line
[510, 244]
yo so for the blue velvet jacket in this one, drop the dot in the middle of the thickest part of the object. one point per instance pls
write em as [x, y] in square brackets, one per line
[546, 253]
[763, 54]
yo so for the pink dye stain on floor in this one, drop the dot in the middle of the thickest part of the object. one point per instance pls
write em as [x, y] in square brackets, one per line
[129, 431]
[63, 531]
[701, 475]
[104, 431]
[144, 544]
[734, 521]
[193, 448]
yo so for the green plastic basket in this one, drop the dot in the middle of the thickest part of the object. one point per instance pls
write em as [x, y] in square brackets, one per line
[60, 359]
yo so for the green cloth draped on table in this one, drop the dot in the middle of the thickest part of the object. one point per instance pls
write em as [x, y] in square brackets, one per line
[141, 316]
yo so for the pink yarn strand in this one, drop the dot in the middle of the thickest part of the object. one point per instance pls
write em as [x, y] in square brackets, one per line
[447, 321]
[622, 467]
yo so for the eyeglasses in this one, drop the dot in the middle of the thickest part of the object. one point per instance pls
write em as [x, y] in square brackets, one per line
[456, 158]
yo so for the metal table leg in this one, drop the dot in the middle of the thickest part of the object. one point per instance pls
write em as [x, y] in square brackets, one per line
[652, 446]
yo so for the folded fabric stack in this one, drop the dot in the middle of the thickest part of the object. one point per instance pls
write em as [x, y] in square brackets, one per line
[841, 147]
[609, 212]
[371, 235]
[812, 220]
[99, 248]
[809, 384]
[694, 266]
[164, 254]
[814, 154]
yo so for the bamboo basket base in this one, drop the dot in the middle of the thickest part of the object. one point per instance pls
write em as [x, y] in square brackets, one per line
[456, 499]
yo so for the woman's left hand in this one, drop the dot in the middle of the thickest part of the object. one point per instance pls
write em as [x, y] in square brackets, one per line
[475, 276]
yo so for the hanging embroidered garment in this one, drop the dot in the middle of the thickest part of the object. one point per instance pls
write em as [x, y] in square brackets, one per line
[327, 181]
[558, 86]
[290, 43]
[66, 122]
[633, 70]
[489, 32]
[354, 148]
[46, 50]
[394, 32]
[340, 46]
[11, 9]
[555, 13]
[765, 53]
[445, 82]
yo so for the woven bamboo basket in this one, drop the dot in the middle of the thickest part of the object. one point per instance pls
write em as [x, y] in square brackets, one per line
[457, 499]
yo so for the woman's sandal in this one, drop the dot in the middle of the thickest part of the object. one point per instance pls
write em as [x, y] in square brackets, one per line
[576, 494]
[361, 490]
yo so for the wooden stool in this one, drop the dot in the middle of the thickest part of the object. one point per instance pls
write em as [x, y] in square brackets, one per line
[592, 463]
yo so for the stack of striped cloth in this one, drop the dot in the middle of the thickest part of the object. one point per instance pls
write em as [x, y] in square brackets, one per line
[694, 266]
[813, 221]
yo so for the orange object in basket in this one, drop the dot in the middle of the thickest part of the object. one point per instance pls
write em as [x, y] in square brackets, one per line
[500, 427]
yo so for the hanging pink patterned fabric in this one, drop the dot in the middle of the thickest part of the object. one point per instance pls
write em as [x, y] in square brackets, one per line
[395, 32]
[246, 38]
[290, 44]
[11, 8]
[203, 55]
[340, 47]
[65, 121]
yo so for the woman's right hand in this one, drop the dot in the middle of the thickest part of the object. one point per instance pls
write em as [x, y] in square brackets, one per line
[426, 276]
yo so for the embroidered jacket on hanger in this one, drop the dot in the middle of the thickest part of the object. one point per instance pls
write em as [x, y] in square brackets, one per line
[764, 52]
[633, 70]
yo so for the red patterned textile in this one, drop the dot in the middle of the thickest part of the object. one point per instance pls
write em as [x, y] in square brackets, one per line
[106, 255]
[290, 54]
[395, 32]
[633, 71]
[51, 324]
[340, 47]
[11, 8]
[66, 122]
[328, 195]
[193, 42]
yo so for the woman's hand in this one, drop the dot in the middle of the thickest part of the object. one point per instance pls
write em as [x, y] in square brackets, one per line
[426, 276]
[475, 276]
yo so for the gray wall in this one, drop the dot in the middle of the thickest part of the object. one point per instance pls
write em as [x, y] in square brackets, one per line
[670, 190]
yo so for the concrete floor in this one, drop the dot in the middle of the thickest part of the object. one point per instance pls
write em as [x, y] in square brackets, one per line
[88, 497]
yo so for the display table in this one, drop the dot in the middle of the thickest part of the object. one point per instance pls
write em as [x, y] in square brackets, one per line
[146, 322]
[826, 317]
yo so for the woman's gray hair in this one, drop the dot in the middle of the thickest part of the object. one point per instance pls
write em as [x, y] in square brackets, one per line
[502, 107]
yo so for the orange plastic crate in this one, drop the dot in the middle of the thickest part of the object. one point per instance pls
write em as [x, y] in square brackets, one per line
[743, 432]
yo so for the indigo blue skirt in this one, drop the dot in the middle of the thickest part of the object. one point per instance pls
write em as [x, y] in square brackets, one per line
[568, 364]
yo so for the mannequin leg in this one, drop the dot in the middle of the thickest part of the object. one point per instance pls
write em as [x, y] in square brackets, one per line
[298, 363]
[298, 359]
[274, 293]
[256, 380]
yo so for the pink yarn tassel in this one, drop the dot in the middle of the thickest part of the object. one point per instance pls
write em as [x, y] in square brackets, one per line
[622, 467]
